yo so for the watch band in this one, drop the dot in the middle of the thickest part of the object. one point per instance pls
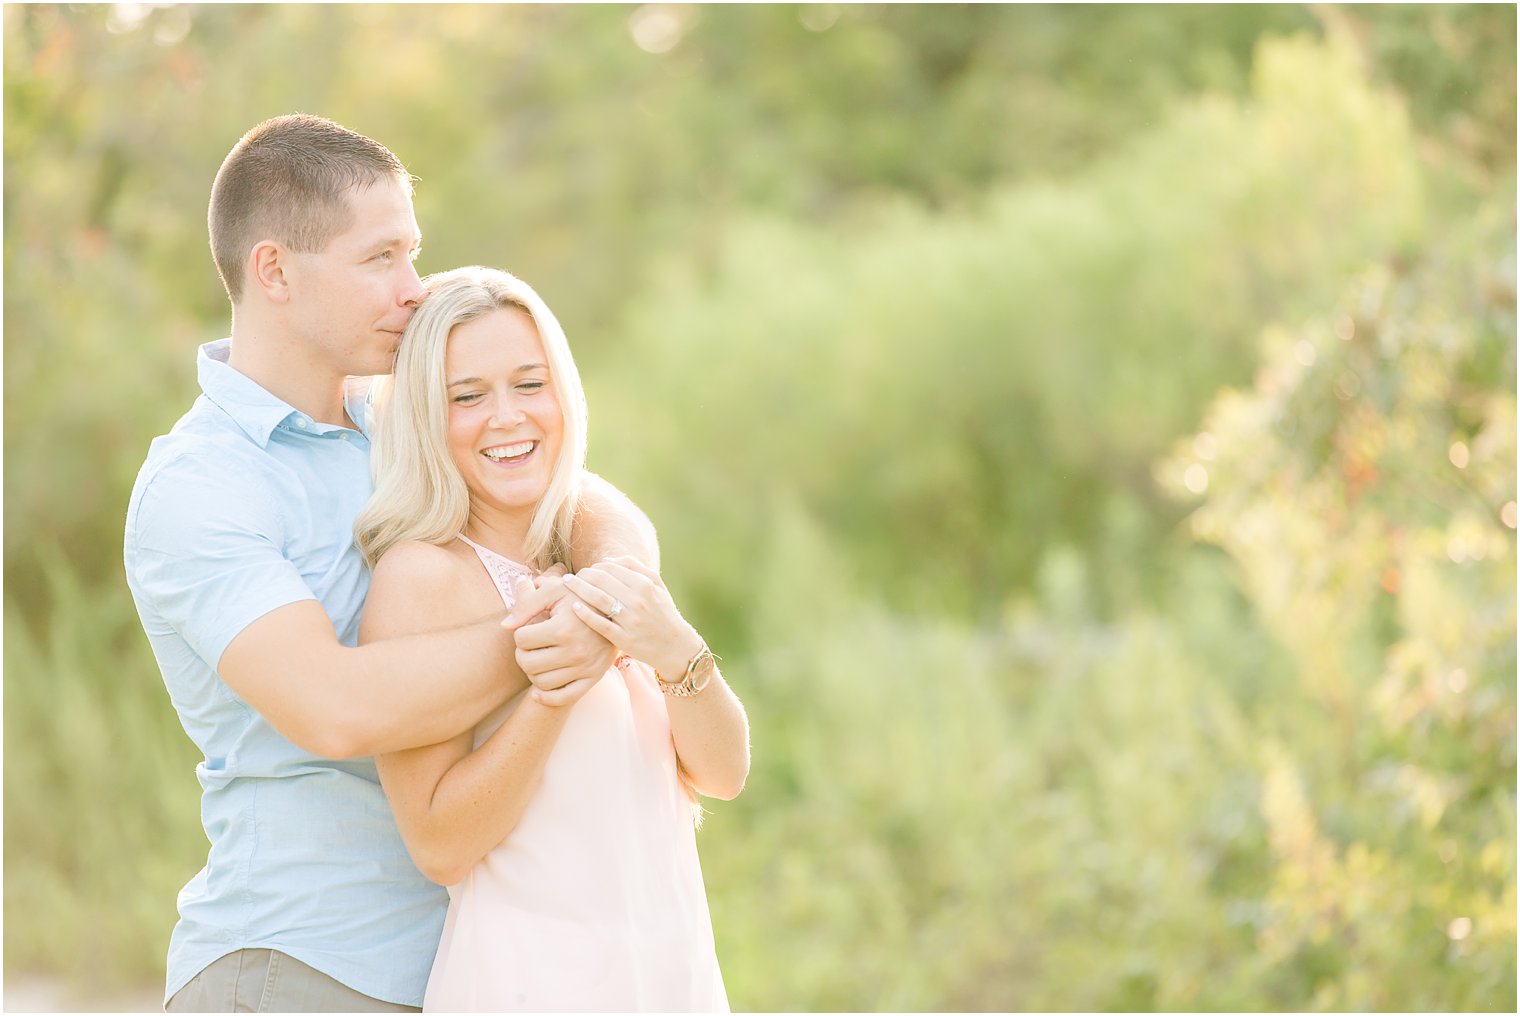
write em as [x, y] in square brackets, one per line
[698, 675]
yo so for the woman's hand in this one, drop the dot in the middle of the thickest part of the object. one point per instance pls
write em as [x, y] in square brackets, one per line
[561, 656]
[627, 603]
[710, 731]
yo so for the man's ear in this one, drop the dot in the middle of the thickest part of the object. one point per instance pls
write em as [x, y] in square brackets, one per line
[267, 265]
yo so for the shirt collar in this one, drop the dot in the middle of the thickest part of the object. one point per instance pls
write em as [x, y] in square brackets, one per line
[258, 412]
[239, 396]
[359, 399]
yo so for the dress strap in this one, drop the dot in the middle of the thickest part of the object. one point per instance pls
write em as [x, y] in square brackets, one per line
[503, 570]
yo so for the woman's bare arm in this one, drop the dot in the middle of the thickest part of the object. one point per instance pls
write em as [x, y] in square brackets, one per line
[452, 804]
[710, 729]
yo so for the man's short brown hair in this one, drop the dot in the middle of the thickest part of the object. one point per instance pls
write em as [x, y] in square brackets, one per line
[288, 180]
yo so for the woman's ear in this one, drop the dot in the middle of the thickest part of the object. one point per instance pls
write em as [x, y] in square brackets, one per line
[267, 265]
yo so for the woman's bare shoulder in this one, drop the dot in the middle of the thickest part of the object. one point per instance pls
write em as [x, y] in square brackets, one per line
[414, 563]
[419, 587]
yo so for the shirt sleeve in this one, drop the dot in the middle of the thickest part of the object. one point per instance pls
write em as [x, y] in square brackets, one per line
[204, 550]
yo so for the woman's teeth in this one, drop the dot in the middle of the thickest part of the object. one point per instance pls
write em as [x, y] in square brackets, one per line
[502, 453]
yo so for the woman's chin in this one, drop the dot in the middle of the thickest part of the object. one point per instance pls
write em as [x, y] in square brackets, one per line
[510, 499]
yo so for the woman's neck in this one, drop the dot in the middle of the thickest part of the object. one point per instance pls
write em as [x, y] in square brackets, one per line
[494, 529]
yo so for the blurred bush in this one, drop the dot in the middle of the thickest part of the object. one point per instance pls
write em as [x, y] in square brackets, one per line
[545, 141]
[952, 395]
[1364, 487]
[1088, 433]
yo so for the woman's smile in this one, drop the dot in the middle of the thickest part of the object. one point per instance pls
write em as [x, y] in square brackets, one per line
[510, 454]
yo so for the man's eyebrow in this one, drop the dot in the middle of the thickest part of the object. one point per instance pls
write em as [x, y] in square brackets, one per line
[411, 243]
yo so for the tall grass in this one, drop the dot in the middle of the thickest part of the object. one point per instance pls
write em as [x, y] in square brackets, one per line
[102, 822]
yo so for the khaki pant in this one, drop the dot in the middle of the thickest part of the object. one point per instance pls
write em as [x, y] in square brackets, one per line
[262, 980]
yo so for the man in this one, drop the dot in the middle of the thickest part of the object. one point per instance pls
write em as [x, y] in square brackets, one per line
[239, 553]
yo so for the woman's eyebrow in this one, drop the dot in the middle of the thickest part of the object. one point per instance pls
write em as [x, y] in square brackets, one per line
[520, 370]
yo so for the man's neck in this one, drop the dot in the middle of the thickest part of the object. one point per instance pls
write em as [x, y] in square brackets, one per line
[283, 366]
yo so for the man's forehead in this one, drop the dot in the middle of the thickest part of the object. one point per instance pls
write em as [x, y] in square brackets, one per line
[382, 212]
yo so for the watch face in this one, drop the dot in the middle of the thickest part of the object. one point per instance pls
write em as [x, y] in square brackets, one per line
[702, 670]
[699, 674]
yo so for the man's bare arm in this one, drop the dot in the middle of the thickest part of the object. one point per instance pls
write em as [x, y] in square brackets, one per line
[342, 702]
[608, 524]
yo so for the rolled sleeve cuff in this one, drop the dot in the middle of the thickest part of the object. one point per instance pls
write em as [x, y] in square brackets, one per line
[210, 604]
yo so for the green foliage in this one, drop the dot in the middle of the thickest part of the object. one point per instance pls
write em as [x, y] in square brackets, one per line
[1454, 62]
[1365, 488]
[914, 376]
[544, 140]
[1087, 433]
[1034, 815]
[102, 820]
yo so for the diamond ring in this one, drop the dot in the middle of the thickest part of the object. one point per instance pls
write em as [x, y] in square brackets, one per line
[617, 608]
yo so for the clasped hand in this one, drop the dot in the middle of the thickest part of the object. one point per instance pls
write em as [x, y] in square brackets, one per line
[558, 653]
[571, 627]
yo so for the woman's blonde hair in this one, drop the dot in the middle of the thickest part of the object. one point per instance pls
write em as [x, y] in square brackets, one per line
[419, 494]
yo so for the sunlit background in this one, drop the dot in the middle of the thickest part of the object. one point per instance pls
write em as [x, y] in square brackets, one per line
[1087, 434]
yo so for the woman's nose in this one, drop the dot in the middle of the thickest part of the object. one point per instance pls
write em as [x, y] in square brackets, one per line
[505, 413]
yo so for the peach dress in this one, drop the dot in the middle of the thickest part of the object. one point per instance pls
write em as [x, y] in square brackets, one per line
[594, 902]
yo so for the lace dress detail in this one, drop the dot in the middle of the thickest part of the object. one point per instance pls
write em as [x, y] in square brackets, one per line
[504, 571]
[594, 902]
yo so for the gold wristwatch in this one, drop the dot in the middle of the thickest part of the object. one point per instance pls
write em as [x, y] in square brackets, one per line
[698, 676]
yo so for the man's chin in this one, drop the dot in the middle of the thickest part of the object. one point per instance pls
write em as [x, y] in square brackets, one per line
[381, 366]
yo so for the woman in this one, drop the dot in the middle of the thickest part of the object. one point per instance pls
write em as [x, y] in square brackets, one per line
[563, 825]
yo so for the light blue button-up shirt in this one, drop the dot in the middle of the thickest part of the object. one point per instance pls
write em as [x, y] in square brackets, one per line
[245, 506]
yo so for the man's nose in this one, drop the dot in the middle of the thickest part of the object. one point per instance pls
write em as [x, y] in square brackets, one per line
[413, 292]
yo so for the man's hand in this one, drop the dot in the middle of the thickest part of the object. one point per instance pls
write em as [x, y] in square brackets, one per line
[560, 655]
[534, 598]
